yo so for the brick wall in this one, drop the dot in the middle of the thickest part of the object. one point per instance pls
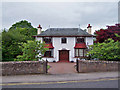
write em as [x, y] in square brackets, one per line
[97, 66]
[23, 67]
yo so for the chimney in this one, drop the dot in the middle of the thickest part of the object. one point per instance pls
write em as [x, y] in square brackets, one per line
[39, 29]
[89, 30]
[79, 28]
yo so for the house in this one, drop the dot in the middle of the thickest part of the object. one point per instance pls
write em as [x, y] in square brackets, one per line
[65, 44]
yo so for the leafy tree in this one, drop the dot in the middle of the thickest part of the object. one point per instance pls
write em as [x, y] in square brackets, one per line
[104, 34]
[108, 50]
[21, 24]
[28, 32]
[25, 28]
[31, 51]
[19, 32]
[10, 46]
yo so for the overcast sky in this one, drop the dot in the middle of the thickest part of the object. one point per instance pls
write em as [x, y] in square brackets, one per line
[61, 14]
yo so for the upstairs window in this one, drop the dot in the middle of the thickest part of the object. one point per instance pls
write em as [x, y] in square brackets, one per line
[64, 40]
[80, 40]
[47, 39]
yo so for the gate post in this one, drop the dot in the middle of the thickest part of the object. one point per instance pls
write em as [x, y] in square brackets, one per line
[46, 66]
[77, 65]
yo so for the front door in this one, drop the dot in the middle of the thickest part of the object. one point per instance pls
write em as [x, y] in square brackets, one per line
[63, 55]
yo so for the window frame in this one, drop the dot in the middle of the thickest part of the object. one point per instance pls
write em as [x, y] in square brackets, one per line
[51, 54]
[77, 52]
[80, 40]
[49, 38]
[64, 42]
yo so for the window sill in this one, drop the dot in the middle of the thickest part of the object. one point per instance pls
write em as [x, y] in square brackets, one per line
[80, 56]
[47, 57]
[63, 43]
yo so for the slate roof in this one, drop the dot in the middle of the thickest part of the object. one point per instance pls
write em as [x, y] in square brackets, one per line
[64, 32]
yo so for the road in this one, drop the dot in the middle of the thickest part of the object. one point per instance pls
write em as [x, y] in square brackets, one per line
[95, 83]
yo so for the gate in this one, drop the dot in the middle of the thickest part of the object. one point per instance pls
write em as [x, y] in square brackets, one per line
[77, 65]
[46, 66]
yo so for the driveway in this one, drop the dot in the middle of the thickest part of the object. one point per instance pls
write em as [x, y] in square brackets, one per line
[62, 68]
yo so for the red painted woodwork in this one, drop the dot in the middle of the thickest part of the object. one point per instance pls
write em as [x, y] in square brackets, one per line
[49, 45]
[63, 55]
[89, 26]
[39, 26]
[80, 45]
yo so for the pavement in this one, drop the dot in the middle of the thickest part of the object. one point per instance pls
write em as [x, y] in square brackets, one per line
[58, 77]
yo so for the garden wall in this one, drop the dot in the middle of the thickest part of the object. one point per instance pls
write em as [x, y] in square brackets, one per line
[97, 66]
[23, 67]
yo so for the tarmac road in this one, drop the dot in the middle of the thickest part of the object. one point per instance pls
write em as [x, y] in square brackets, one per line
[97, 83]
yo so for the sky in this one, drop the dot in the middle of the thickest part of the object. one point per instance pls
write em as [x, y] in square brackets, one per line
[61, 14]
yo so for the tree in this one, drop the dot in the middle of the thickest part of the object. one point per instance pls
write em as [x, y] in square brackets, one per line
[31, 51]
[25, 28]
[19, 32]
[21, 24]
[108, 50]
[104, 34]
[10, 46]
[28, 32]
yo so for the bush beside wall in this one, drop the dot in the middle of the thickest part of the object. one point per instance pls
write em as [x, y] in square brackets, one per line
[23, 67]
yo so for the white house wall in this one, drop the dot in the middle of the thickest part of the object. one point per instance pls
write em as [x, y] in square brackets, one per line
[59, 46]
[39, 39]
[56, 41]
[89, 40]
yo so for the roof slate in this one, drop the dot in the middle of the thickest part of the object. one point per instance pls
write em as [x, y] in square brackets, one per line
[64, 32]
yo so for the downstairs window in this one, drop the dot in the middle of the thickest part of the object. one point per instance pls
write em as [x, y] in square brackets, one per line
[49, 53]
[80, 52]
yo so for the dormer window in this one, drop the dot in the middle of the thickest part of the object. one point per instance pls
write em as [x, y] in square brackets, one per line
[80, 40]
[63, 40]
[47, 39]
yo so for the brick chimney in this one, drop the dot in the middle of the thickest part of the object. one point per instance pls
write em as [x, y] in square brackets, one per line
[39, 29]
[89, 29]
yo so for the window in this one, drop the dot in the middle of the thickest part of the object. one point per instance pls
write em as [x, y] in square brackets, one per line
[76, 52]
[47, 39]
[64, 40]
[79, 53]
[49, 53]
[80, 40]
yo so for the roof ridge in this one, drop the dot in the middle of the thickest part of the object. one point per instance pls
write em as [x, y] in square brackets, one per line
[64, 32]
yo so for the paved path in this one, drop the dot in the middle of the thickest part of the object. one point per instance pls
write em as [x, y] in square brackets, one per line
[58, 77]
[62, 68]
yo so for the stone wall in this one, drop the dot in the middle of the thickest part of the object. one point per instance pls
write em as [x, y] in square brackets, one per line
[97, 66]
[23, 67]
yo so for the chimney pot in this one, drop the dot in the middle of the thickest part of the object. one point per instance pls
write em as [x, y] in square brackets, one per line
[39, 26]
[89, 29]
[39, 29]
[89, 26]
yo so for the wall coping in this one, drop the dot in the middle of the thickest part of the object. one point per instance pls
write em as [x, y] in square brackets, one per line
[14, 62]
[99, 61]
